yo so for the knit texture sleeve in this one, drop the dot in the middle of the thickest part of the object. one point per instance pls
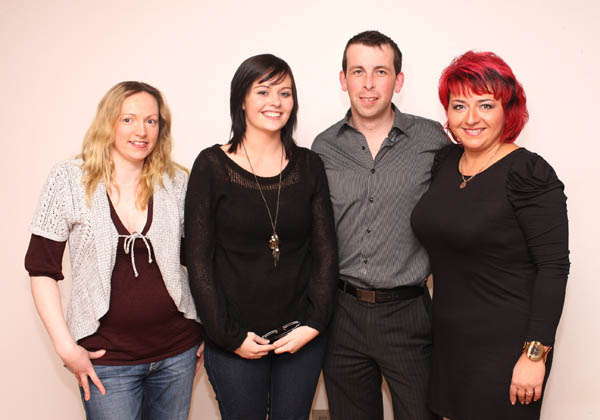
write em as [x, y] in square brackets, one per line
[539, 202]
[51, 219]
[324, 274]
[200, 204]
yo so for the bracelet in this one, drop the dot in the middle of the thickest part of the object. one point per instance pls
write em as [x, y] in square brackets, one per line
[535, 351]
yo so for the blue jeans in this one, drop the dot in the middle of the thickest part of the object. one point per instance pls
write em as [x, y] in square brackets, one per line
[156, 391]
[282, 385]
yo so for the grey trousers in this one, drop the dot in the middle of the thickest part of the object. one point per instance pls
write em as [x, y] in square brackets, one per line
[367, 341]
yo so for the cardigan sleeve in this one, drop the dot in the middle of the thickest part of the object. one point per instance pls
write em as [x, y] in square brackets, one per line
[51, 216]
[211, 305]
[324, 274]
[539, 203]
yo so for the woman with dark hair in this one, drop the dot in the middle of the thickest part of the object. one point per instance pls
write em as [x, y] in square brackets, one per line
[261, 252]
[131, 337]
[494, 223]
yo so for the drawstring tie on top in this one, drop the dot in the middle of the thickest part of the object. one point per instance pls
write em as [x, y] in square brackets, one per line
[128, 245]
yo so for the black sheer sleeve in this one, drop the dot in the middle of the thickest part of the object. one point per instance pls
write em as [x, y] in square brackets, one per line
[537, 197]
[200, 204]
[324, 251]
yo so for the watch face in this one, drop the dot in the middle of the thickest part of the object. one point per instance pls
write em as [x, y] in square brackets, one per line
[535, 351]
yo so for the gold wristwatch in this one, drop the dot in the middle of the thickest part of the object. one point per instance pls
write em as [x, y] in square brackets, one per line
[535, 350]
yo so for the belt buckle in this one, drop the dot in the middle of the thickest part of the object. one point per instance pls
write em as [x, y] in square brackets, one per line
[365, 295]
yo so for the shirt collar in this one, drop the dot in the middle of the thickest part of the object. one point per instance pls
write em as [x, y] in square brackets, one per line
[400, 122]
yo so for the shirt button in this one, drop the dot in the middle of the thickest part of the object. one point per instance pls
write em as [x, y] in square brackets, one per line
[365, 261]
[369, 230]
[373, 170]
[363, 147]
[371, 199]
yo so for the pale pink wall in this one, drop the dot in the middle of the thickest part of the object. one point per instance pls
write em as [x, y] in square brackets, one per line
[60, 57]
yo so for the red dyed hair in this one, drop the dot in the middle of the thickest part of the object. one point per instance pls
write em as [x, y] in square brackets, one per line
[484, 72]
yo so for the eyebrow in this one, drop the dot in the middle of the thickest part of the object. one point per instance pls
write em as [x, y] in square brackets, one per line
[479, 100]
[381, 66]
[135, 115]
[262, 86]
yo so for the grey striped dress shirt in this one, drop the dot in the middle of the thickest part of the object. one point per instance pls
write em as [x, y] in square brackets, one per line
[373, 199]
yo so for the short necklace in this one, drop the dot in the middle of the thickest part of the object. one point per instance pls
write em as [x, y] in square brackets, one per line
[274, 239]
[463, 184]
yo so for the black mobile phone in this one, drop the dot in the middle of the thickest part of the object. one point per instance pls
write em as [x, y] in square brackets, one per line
[280, 332]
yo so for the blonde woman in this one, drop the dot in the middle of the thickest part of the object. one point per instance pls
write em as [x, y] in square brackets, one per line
[130, 337]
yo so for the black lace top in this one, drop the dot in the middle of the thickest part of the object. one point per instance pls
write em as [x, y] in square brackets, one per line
[233, 280]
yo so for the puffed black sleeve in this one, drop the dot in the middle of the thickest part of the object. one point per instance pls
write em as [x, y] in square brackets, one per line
[539, 203]
[440, 157]
[200, 205]
[323, 250]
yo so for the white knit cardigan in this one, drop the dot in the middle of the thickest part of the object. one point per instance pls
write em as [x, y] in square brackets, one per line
[62, 214]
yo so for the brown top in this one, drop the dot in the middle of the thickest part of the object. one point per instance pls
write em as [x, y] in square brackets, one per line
[142, 324]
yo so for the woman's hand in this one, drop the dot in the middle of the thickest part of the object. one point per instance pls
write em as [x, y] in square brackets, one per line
[527, 380]
[295, 340]
[200, 358]
[46, 297]
[254, 347]
[78, 361]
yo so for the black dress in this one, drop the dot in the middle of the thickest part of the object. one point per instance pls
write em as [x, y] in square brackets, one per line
[499, 256]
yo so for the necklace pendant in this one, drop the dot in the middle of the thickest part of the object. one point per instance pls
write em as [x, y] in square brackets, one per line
[462, 185]
[274, 246]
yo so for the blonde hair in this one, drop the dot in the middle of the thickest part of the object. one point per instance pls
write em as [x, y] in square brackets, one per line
[100, 137]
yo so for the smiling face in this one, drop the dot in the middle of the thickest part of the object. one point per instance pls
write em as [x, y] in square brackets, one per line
[268, 105]
[370, 80]
[136, 129]
[476, 120]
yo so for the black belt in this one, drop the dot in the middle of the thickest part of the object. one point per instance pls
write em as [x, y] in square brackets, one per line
[382, 295]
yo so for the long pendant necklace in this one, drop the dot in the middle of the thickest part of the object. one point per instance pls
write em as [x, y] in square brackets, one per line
[274, 239]
[463, 184]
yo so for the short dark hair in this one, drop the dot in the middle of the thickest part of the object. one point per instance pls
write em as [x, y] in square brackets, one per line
[374, 39]
[259, 68]
[485, 72]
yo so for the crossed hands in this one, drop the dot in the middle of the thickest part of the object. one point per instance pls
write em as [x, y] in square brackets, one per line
[255, 347]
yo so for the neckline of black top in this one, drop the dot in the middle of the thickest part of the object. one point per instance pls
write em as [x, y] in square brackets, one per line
[268, 179]
[489, 167]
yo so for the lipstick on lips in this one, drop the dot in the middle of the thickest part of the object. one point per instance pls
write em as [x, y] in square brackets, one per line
[473, 131]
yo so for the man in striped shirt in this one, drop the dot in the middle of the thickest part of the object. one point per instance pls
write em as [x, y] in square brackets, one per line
[378, 163]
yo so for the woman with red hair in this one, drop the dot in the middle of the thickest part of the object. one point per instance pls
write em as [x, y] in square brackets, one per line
[498, 250]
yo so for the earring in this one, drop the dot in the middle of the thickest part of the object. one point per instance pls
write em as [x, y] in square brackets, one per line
[450, 134]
